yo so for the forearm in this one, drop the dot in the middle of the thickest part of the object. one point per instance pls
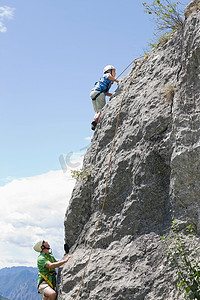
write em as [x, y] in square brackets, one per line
[57, 264]
[113, 78]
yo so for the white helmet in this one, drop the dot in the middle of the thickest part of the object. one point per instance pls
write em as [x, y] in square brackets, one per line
[37, 245]
[107, 68]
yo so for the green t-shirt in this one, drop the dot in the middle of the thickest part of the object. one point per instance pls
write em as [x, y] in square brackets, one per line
[43, 258]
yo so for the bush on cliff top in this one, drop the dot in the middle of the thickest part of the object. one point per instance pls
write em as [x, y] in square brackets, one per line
[166, 14]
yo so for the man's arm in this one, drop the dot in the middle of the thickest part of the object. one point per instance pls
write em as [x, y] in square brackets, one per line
[54, 265]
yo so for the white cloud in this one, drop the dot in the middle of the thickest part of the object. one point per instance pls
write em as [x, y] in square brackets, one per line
[88, 138]
[33, 208]
[6, 12]
[5, 180]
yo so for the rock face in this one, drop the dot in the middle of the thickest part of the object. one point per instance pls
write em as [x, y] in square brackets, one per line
[193, 6]
[154, 178]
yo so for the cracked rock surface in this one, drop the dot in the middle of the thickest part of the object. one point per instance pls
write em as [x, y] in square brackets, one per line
[154, 178]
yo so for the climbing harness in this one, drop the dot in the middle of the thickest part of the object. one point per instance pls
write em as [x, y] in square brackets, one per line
[45, 277]
[109, 167]
[101, 89]
[97, 95]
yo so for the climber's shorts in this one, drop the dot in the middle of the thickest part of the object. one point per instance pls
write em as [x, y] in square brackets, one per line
[100, 101]
[42, 287]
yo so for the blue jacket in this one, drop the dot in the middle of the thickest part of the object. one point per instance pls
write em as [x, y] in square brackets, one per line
[103, 84]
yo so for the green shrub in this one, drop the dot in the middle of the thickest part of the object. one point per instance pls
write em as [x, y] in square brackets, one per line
[166, 14]
[83, 173]
[159, 41]
[183, 252]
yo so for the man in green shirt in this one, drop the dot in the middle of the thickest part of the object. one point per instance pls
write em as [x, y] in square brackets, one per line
[46, 264]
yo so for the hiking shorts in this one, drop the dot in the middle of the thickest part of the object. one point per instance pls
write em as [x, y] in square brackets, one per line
[42, 287]
[100, 101]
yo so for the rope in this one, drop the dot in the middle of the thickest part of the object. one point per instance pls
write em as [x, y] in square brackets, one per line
[108, 170]
[128, 66]
[126, 69]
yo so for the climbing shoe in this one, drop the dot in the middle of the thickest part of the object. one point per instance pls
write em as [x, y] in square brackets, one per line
[93, 125]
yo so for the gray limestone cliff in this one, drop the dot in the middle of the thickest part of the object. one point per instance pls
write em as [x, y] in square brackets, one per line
[154, 178]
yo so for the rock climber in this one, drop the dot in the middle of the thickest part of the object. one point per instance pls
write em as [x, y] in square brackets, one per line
[101, 90]
[46, 264]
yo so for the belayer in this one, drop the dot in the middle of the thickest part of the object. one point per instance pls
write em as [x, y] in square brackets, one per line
[101, 90]
[46, 264]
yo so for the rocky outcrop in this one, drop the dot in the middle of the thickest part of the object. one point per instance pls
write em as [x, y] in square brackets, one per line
[154, 178]
[192, 7]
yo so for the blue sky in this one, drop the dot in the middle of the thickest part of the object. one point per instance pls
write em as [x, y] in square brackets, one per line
[50, 57]
[51, 54]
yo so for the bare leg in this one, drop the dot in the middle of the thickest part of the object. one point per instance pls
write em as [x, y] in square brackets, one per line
[49, 294]
[97, 115]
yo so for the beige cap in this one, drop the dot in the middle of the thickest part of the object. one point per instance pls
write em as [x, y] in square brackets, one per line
[37, 245]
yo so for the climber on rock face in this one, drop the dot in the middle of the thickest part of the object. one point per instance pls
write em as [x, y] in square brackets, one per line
[46, 264]
[101, 90]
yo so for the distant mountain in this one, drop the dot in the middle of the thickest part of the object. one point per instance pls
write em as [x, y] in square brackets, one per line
[19, 283]
[2, 298]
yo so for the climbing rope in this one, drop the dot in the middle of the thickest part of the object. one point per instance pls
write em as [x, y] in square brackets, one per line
[129, 66]
[109, 167]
